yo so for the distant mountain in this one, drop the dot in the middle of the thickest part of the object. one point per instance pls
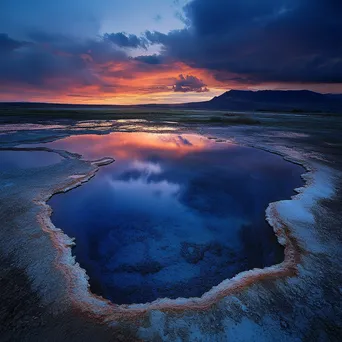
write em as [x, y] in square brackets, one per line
[335, 96]
[234, 100]
[273, 100]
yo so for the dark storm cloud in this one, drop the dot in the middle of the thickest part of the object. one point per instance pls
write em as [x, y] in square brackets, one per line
[258, 41]
[9, 44]
[126, 40]
[238, 42]
[188, 84]
[150, 59]
[54, 61]
[156, 37]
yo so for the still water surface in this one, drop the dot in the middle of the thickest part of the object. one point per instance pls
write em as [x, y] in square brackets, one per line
[174, 215]
[10, 160]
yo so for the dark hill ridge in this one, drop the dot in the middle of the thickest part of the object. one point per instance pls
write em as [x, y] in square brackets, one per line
[276, 100]
[269, 100]
[236, 100]
[270, 96]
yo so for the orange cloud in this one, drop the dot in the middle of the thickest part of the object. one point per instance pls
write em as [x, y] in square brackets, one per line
[124, 145]
[126, 82]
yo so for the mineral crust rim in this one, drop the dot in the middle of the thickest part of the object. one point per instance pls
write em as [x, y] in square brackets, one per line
[100, 308]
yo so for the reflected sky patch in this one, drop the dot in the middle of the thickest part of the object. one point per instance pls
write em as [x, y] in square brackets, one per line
[10, 160]
[174, 215]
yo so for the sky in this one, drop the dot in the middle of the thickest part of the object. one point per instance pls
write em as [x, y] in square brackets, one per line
[166, 51]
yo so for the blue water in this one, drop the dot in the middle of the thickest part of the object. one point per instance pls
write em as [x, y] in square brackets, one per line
[10, 160]
[173, 215]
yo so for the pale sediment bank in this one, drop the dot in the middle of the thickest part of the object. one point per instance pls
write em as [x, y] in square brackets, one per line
[285, 217]
[295, 300]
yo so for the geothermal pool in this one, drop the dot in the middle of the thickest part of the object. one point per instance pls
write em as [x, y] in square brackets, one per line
[10, 160]
[174, 215]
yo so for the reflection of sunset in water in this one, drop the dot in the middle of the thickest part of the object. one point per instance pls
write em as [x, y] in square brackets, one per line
[124, 145]
[174, 215]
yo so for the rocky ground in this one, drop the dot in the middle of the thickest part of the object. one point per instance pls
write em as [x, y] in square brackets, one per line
[44, 295]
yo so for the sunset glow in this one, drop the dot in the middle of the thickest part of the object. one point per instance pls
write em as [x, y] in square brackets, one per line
[124, 145]
[90, 52]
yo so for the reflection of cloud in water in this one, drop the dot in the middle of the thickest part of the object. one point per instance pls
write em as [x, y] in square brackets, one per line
[184, 141]
[144, 128]
[28, 127]
[91, 124]
[134, 145]
[131, 121]
[181, 141]
[174, 215]
[147, 167]
[142, 188]
[146, 195]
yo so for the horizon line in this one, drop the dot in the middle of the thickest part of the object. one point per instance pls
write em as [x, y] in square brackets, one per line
[161, 104]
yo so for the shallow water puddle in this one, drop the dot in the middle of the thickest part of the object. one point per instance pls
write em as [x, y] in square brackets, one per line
[27, 159]
[174, 215]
